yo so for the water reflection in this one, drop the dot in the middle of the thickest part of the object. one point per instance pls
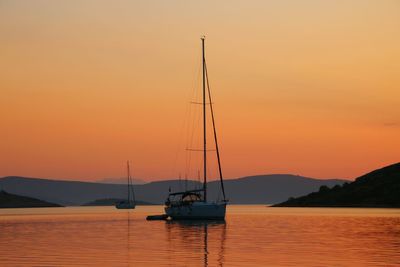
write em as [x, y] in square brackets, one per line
[196, 237]
[252, 236]
[128, 258]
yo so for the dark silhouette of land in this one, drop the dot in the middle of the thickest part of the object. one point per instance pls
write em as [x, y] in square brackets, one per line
[379, 188]
[112, 202]
[261, 189]
[8, 200]
[120, 180]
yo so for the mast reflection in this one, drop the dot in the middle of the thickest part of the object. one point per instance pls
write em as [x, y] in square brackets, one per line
[199, 238]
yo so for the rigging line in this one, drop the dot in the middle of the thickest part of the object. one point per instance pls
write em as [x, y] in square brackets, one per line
[185, 122]
[192, 112]
[197, 79]
[183, 129]
[180, 140]
[194, 135]
[129, 180]
[215, 132]
[186, 183]
[196, 115]
[180, 182]
[190, 139]
[133, 191]
[187, 138]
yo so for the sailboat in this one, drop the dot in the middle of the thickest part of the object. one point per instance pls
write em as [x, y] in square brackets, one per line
[193, 204]
[130, 203]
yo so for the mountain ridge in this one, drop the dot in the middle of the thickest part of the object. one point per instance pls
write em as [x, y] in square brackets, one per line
[259, 189]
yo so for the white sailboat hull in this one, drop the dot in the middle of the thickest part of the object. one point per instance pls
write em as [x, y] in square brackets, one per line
[197, 211]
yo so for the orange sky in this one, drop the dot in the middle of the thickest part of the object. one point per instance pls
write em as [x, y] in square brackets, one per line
[302, 87]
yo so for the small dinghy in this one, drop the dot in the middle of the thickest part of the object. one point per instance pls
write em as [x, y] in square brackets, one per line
[161, 217]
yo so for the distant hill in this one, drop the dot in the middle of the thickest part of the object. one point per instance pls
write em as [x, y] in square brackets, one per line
[268, 189]
[121, 180]
[112, 202]
[380, 188]
[8, 200]
[261, 189]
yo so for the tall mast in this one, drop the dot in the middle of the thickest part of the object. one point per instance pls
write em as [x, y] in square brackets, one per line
[204, 122]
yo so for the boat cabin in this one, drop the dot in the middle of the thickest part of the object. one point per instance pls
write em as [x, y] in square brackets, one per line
[184, 198]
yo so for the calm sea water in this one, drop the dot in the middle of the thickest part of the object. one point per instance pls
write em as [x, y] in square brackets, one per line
[251, 236]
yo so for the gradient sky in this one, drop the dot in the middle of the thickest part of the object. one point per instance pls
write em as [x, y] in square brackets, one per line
[302, 87]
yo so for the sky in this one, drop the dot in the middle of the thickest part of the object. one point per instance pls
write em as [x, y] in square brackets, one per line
[303, 87]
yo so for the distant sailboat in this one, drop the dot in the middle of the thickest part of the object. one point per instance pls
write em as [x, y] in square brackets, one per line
[193, 204]
[130, 203]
